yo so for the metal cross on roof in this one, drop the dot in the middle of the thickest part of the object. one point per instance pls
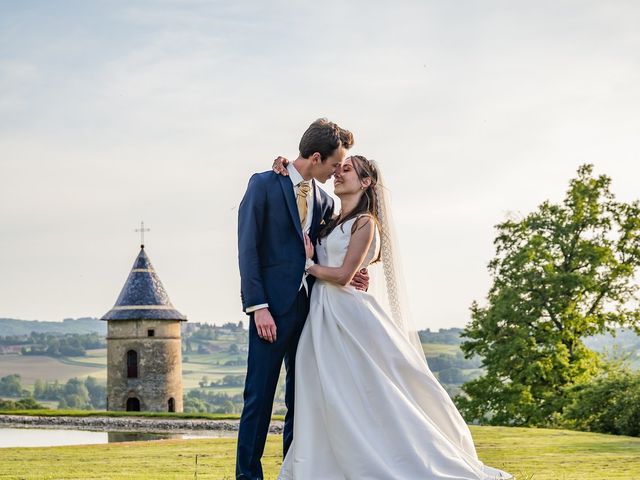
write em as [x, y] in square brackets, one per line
[142, 230]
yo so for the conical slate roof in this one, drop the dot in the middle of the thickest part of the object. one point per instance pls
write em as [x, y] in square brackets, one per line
[143, 296]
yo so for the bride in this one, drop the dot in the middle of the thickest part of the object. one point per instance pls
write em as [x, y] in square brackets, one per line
[367, 405]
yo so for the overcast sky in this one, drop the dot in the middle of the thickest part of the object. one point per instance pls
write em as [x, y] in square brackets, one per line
[113, 112]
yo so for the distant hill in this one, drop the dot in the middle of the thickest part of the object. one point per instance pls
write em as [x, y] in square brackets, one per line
[448, 336]
[12, 326]
[625, 345]
[626, 340]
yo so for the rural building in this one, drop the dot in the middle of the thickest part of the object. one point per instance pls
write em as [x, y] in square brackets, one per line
[144, 359]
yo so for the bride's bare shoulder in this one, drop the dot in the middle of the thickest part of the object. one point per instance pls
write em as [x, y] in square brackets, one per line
[364, 221]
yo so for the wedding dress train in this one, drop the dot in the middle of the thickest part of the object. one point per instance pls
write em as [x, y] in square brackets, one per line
[366, 404]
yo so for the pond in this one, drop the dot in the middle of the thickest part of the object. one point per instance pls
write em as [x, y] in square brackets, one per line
[47, 437]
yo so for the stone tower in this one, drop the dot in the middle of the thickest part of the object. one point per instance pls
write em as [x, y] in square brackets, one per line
[144, 357]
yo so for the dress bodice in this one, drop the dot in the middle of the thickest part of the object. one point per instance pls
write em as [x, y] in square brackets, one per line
[333, 248]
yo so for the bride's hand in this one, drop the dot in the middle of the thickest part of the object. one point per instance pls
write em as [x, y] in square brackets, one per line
[308, 246]
[280, 166]
[361, 280]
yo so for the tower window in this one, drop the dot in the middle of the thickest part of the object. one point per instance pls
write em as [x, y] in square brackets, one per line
[132, 364]
[151, 332]
[133, 405]
[172, 405]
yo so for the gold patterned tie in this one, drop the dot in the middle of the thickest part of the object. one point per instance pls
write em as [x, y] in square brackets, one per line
[301, 200]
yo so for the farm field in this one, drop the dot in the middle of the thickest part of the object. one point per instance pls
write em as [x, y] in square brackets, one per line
[435, 349]
[33, 367]
[49, 369]
[195, 366]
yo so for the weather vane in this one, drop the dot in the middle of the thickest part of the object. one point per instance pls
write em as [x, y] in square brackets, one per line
[142, 230]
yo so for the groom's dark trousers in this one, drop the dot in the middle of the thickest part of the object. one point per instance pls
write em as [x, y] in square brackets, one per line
[262, 379]
[271, 256]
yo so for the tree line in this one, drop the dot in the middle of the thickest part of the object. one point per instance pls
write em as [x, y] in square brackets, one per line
[56, 345]
[76, 394]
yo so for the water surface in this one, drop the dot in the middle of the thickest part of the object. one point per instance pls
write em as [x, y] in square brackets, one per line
[48, 437]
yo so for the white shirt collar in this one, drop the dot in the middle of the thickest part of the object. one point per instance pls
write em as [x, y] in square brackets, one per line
[294, 174]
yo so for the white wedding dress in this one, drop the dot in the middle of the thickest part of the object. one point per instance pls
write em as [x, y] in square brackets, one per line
[366, 404]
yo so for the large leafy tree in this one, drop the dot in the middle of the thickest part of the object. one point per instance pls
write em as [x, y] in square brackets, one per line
[561, 273]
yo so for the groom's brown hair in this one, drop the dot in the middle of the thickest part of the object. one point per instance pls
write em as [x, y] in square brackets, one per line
[324, 137]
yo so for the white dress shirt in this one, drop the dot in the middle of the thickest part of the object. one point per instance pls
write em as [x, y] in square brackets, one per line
[296, 179]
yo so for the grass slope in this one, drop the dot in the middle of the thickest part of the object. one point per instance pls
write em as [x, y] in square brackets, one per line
[531, 454]
[33, 367]
[194, 366]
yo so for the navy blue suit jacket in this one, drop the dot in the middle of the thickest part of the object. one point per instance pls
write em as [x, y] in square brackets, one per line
[270, 242]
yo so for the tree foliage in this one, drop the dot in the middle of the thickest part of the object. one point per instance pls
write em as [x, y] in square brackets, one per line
[11, 386]
[561, 273]
[22, 404]
[608, 404]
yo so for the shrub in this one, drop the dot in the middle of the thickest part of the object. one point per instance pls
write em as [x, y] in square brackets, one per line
[608, 404]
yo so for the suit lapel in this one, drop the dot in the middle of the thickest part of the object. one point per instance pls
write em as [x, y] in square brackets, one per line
[290, 200]
[317, 211]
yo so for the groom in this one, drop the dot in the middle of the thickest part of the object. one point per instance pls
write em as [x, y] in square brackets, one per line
[273, 217]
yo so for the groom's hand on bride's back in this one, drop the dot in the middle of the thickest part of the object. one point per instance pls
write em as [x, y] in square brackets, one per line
[265, 325]
[361, 280]
[280, 166]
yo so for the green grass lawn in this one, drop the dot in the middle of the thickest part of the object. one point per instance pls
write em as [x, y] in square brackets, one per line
[531, 454]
